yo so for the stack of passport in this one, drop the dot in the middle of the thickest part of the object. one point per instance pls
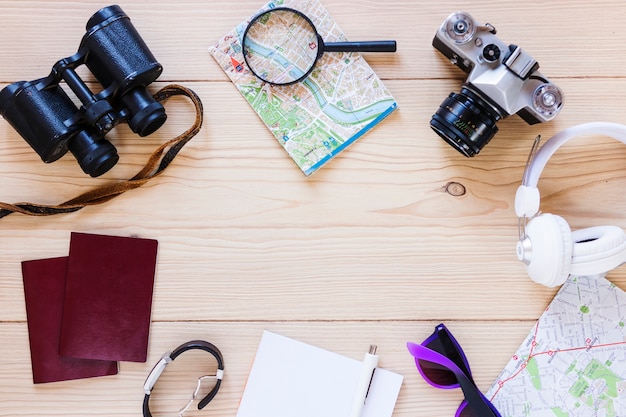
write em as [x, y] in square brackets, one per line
[91, 309]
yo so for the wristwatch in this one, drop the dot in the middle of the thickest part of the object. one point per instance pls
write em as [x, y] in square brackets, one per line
[169, 357]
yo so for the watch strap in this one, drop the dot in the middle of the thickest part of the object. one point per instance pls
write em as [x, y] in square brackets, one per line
[169, 357]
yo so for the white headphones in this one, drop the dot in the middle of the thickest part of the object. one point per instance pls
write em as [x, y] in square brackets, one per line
[548, 248]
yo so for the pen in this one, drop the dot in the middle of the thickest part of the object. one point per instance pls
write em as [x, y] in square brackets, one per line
[365, 379]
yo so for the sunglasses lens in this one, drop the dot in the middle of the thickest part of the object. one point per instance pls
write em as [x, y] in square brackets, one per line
[444, 343]
[437, 374]
[442, 363]
[465, 411]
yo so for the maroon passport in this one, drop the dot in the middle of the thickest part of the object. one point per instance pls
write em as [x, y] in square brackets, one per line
[108, 297]
[44, 287]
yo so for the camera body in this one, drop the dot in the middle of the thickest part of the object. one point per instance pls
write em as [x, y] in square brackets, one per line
[502, 80]
[51, 123]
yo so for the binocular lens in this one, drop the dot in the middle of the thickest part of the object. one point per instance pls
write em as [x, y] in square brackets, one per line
[465, 121]
[102, 15]
[146, 114]
[94, 154]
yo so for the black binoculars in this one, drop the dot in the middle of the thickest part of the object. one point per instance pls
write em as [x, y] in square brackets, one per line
[49, 120]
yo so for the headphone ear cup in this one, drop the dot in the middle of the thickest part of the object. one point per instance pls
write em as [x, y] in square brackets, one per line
[597, 250]
[551, 249]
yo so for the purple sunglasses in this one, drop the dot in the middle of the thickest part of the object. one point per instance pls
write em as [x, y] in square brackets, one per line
[442, 363]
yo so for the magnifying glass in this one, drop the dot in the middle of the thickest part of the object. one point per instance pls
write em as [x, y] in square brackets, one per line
[281, 46]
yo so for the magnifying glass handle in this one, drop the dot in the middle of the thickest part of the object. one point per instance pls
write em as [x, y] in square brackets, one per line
[371, 46]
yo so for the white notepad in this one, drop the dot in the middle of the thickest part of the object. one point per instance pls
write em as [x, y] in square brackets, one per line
[294, 379]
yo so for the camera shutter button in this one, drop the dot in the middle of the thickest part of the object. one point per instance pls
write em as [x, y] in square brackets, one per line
[491, 52]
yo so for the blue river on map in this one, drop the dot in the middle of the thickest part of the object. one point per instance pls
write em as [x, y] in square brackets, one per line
[331, 110]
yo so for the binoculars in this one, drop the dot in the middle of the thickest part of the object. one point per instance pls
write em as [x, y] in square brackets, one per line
[48, 119]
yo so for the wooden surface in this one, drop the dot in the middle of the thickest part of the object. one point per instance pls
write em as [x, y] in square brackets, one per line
[374, 248]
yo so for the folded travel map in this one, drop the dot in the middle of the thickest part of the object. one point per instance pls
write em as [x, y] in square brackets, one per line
[573, 361]
[317, 118]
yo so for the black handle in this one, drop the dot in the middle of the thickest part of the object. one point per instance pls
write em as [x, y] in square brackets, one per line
[371, 46]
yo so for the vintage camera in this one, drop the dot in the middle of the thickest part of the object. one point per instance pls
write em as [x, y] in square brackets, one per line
[48, 119]
[503, 80]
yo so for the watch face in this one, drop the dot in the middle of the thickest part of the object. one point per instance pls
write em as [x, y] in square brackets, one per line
[156, 373]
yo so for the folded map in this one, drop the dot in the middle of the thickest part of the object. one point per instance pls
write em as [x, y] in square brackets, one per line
[316, 118]
[573, 362]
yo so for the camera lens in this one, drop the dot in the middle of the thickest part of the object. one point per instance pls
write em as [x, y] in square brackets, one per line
[94, 154]
[466, 122]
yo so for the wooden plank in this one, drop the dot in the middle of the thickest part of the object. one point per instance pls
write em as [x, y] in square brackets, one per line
[487, 345]
[397, 234]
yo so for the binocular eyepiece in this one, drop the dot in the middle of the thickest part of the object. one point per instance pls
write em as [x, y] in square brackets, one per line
[49, 120]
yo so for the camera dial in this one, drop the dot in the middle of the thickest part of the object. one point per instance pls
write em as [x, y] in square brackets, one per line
[491, 52]
[547, 99]
[460, 28]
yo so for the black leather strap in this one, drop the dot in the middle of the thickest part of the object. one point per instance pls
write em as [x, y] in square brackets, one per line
[170, 356]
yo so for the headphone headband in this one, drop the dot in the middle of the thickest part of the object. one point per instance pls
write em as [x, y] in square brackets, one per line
[527, 196]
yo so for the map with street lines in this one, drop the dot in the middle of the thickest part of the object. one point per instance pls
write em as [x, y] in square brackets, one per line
[318, 117]
[573, 362]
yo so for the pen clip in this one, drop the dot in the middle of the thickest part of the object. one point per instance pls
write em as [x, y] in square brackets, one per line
[369, 386]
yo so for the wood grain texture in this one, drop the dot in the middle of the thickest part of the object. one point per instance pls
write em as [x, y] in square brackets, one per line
[396, 234]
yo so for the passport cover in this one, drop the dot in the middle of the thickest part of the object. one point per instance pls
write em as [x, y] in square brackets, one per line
[44, 287]
[108, 297]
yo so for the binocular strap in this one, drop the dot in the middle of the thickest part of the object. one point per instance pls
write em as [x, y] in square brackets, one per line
[159, 160]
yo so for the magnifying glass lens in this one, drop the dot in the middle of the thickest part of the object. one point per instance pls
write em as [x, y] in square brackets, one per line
[281, 46]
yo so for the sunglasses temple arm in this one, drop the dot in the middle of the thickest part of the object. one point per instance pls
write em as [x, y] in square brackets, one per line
[475, 400]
